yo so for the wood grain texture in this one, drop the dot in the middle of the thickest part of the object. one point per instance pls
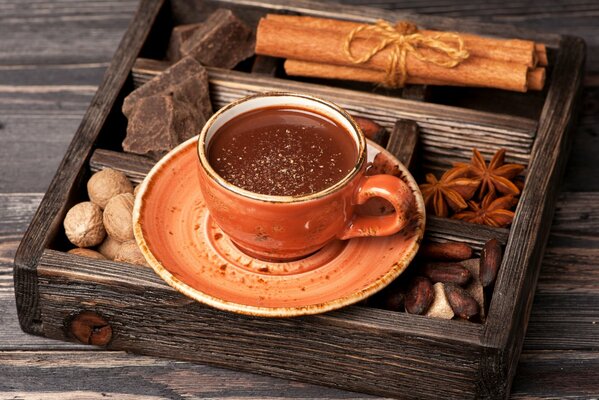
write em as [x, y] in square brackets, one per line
[115, 375]
[403, 140]
[500, 350]
[529, 385]
[16, 211]
[80, 374]
[390, 346]
[569, 267]
[516, 280]
[556, 324]
[49, 218]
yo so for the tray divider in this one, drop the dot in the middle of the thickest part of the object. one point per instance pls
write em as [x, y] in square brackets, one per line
[403, 140]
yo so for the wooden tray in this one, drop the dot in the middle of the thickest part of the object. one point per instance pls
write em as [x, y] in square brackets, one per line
[358, 348]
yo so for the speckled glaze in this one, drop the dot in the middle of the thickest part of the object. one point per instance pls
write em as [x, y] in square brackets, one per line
[290, 227]
[184, 245]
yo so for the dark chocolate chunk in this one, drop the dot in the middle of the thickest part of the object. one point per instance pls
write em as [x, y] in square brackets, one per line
[223, 40]
[159, 123]
[186, 81]
[179, 34]
[167, 110]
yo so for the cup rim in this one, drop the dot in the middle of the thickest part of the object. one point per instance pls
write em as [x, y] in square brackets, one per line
[212, 174]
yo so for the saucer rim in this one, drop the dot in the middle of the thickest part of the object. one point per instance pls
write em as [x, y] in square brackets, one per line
[278, 312]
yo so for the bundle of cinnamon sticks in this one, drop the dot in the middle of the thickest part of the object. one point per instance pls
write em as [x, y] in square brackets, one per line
[314, 47]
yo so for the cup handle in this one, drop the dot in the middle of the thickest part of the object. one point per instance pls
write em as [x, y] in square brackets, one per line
[390, 188]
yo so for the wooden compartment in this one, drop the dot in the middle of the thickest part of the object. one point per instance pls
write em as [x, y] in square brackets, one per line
[357, 348]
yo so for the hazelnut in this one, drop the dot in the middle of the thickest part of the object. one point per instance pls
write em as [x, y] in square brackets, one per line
[106, 184]
[109, 247]
[83, 225]
[129, 253]
[118, 217]
[86, 253]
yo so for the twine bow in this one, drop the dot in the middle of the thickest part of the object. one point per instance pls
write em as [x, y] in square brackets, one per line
[404, 38]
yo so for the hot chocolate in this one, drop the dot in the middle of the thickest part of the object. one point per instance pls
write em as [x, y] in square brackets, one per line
[282, 151]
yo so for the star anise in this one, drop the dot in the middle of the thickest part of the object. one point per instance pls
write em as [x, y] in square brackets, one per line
[491, 211]
[451, 191]
[495, 177]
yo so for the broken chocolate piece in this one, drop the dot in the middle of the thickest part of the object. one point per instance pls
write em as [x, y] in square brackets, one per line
[159, 123]
[223, 40]
[179, 34]
[186, 81]
[167, 110]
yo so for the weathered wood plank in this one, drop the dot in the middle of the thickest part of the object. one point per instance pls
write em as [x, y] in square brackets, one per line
[331, 349]
[516, 281]
[55, 200]
[73, 32]
[403, 140]
[557, 375]
[16, 211]
[28, 163]
[583, 166]
[46, 77]
[116, 375]
[371, 14]
[564, 321]
[13, 338]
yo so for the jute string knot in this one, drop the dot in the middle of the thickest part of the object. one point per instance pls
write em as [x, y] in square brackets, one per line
[444, 49]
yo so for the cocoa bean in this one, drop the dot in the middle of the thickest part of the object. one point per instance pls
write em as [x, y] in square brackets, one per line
[462, 304]
[447, 273]
[420, 295]
[372, 130]
[490, 260]
[449, 251]
[394, 301]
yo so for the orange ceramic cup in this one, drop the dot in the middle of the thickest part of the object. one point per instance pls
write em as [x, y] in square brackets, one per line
[290, 227]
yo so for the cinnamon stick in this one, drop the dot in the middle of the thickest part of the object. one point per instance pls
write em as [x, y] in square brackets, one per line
[342, 72]
[278, 39]
[541, 54]
[535, 76]
[508, 50]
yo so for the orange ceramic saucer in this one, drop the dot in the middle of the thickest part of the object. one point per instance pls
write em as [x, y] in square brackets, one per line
[188, 250]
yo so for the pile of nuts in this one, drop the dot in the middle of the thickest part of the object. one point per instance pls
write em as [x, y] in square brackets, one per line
[105, 222]
[448, 282]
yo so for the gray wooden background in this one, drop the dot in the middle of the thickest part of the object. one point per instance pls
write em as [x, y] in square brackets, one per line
[52, 57]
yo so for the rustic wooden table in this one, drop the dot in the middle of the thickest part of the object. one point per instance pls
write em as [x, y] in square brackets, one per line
[52, 56]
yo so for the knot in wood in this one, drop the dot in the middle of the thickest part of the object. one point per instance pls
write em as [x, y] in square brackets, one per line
[90, 328]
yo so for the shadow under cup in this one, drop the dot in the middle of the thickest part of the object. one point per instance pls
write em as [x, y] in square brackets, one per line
[279, 228]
